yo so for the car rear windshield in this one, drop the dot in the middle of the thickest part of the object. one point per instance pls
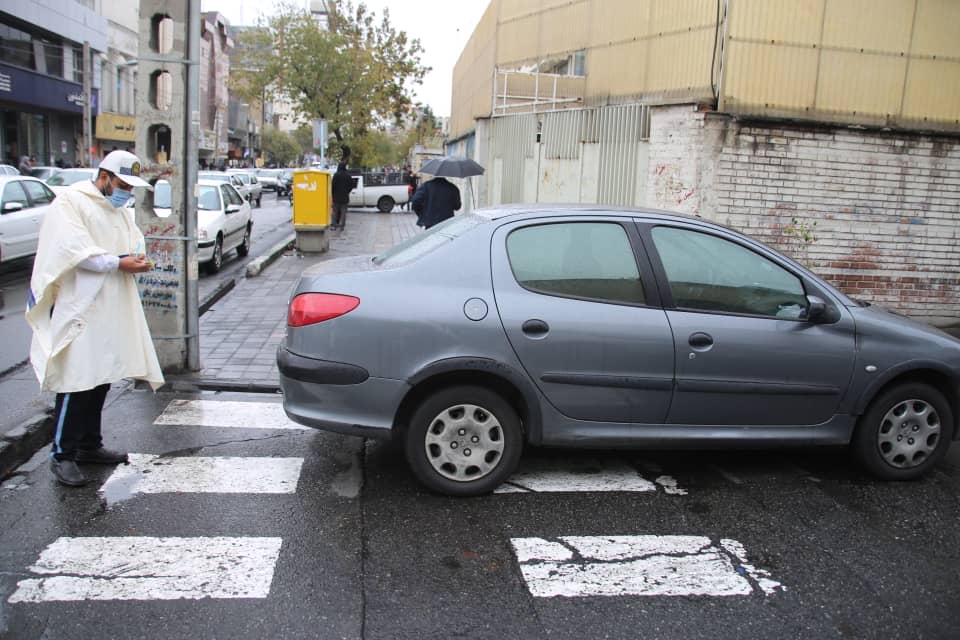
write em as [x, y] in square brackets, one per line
[69, 176]
[423, 243]
[161, 195]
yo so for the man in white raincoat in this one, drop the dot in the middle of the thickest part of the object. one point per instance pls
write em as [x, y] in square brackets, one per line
[89, 329]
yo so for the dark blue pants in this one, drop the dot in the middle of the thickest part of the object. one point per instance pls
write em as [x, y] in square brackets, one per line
[77, 416]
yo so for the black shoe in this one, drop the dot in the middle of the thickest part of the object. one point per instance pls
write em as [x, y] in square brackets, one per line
[100, 456]
[68, 473]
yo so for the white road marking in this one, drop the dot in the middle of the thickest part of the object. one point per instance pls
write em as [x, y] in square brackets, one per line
[573, 476]
[153, 474]
[589, 566]
[143, 568]
[227, 413]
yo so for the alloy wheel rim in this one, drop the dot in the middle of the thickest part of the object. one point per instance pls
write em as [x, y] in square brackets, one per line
[909, 433]
[464, 443]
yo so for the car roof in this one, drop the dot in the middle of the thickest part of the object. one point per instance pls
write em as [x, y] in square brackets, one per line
[523, 211]
[7, 178]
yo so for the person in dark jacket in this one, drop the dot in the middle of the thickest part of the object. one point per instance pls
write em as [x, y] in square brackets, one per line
[341, 187]
[435, 201]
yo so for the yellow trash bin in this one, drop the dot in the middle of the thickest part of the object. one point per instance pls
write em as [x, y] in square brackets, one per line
[311, 209]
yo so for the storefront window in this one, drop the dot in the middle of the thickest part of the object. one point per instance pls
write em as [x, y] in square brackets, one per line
[16, 47]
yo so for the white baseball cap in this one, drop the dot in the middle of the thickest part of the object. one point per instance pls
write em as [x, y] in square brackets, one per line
[125, 166]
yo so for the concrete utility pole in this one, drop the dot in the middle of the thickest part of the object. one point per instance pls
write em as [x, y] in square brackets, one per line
[86, 156]
[169, 59]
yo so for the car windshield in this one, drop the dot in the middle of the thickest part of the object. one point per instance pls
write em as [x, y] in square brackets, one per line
[222, 177]
[422, 244]
[69, 176]
[207, 199]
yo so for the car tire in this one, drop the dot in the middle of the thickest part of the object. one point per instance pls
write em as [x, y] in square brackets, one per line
[216, 262]
[243, 249]
[385, 204]
[904, 432]
[463, 441]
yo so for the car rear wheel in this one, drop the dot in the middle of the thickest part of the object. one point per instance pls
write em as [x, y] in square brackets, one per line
[904, 433]
[216, 262]
[464, 441]
[385, 204]
[244, 248]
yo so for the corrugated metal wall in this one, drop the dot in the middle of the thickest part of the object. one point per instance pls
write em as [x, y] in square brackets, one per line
[889, 63]
[619, 131]
[512, 139]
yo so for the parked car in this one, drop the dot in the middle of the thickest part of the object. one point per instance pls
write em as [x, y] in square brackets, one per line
[384, 196]
[224, 219]
[9, 170]
[66, 177]
[42, 173]
[253, 186]
[24, 202]
[591, 327]
[271, 180]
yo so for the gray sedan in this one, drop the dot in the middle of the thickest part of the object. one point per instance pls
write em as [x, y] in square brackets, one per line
[592, 327]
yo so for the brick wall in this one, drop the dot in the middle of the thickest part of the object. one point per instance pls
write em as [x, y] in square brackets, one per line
[883, 208]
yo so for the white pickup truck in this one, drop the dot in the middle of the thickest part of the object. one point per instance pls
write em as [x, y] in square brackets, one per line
[383, 197]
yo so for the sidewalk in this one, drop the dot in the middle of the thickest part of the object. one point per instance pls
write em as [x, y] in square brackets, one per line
[239, 334]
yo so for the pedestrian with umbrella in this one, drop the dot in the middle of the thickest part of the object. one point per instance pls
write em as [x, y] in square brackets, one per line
[437, 199]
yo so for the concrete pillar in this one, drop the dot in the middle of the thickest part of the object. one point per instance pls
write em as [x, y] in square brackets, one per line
[162, 83]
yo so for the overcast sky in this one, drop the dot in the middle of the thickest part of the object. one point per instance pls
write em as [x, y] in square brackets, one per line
[443, 27]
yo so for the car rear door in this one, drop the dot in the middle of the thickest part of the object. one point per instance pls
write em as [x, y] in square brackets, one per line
[578, 304]
[745, 353]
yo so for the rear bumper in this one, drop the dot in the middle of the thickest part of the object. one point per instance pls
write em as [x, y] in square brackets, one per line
[338, 397]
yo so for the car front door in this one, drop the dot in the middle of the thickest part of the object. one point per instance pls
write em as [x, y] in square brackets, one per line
[19, 227]
[745, 352]
[584, 318]
[233, 222]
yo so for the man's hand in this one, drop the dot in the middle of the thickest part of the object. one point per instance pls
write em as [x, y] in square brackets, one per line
[135, 264]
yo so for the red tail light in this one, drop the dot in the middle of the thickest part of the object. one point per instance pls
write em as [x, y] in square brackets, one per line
[311, 308]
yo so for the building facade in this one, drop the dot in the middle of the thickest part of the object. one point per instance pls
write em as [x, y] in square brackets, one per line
[41, 78]
[215, 49]
[115, 122]
[838, 117]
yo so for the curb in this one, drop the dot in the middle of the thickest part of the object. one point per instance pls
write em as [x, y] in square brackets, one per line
[23, 441]
[225, 287]
[259, 264]
[192, 384]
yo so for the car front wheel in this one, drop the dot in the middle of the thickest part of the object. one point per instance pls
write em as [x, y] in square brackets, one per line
[244, 247]
[464, 441]
[904, 432]
[216, 262]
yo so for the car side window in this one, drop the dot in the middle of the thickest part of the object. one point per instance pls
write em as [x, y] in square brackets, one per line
[708, 273]
[14, 192]
[230, 195]
[39, 193]
[577, 259]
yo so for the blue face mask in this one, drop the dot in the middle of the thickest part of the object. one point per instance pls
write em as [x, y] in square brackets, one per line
[119, 197]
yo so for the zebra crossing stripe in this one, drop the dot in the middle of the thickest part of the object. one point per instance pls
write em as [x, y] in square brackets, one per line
[227, 413]
[145, 568]
[154, 474]
[583, 476]
[646, 565]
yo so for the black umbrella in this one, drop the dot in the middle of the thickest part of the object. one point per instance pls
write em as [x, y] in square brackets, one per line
[452, 167]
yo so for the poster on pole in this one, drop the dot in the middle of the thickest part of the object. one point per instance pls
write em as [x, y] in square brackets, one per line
[320, 138]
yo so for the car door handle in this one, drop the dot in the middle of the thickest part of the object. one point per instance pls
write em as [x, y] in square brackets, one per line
[535, 328]
[700, 340]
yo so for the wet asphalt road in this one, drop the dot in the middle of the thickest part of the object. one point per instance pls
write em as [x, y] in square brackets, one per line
[366, 553]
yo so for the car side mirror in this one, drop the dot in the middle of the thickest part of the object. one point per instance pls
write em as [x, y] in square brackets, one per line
[12, 206]
[819, 312]
[232, 208]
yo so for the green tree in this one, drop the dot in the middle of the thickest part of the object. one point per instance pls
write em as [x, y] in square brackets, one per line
[358, 74]
[279, 147]
[303, 136]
